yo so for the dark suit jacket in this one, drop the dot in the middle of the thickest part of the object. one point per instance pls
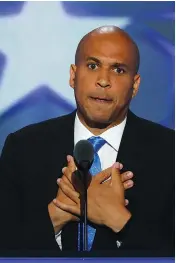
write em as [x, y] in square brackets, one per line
[32, 160]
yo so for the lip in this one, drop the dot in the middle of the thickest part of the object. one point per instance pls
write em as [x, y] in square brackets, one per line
[101, 99]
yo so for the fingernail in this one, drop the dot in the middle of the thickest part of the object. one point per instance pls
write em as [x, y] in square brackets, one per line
[69, 158]
[54, 201]
[63, 169]
[130, 183]
[116, 165]
[126, 202]
[58, 180]
[129, 174]
[121, 165]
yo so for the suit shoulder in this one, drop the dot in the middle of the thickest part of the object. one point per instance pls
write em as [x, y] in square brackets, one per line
[156, 127]
[156, 131]
[47, 127]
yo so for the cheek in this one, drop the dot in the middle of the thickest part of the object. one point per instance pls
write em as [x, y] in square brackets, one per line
[123, 86]
[81, 88]
[82, 74]
[122, 90]
[85, 81]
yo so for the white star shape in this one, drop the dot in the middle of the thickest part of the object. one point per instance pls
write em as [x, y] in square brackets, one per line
[40, 44]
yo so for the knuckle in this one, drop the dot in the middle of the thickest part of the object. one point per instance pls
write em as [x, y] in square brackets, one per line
[64, 178]
[122, 176]
[125, 185]
[73, 167]
[67, 170]
[125, 175]
[62, 184]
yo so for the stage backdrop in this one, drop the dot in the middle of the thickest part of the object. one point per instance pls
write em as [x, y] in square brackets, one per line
[38, 42]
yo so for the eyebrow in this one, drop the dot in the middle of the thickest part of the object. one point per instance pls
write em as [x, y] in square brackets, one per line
[115, 64]
[94, 59]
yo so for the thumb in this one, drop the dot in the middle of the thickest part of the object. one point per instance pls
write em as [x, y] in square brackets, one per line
[71, 163]
[116, 183]
[115, 175]
[103, 175]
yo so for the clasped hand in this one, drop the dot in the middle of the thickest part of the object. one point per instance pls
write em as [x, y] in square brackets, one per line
[105, 196]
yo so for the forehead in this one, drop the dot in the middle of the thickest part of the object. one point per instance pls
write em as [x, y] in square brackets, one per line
[109, 47]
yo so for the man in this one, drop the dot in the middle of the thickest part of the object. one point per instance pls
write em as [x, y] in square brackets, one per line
[36, 214]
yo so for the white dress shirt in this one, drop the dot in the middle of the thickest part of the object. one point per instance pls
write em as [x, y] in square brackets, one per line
[107, 153]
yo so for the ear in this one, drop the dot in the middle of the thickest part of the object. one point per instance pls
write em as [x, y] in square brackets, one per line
[72, 75]
[137, 80]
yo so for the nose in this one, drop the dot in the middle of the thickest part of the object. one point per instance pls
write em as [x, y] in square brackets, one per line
[103, 81]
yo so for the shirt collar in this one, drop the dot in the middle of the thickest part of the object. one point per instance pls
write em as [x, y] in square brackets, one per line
[113, 135]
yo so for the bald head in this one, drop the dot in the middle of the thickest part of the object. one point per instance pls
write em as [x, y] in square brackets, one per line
[120, 36]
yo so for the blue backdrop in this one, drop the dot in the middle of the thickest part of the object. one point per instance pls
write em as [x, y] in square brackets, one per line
[38, 42]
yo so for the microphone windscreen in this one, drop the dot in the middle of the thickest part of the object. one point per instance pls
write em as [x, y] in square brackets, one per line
[83, 154]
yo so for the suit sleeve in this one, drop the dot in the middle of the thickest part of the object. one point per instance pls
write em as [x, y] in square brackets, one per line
[151, 227]
[14, 235]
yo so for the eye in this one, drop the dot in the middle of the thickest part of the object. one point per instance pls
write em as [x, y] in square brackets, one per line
[92, 66]
[119, 70]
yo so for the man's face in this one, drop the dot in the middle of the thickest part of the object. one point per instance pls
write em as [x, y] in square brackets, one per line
[104, 79]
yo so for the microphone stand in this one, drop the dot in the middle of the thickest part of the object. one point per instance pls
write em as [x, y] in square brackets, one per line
[83, 225]
[83, 156]
[85, 248]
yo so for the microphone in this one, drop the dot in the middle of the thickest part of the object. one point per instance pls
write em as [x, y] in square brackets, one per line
[83, 155]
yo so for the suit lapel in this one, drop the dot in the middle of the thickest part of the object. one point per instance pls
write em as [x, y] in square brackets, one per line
[128, 155]
[129, 145]
[131, 152]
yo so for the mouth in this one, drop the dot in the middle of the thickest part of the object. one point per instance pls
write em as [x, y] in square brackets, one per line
[101, 99]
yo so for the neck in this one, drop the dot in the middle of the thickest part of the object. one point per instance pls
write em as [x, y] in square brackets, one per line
[98, 128]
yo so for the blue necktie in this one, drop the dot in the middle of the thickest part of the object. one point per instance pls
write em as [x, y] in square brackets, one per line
[97, 143]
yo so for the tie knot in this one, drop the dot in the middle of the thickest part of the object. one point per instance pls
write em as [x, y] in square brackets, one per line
[97, 142]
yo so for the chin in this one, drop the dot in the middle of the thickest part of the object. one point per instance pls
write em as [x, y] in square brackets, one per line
[95, 118]
[98, 119]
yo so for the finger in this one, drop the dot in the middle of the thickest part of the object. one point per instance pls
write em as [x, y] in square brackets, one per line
[68, 174]
[126, 176]
[66, 180]
[71, 168]
[128, 184]
[115, 176]
[72, 194]
[126, 202]
[103, 175]
[71, 163]
[73, 209]
[107, 179]
[73, 179]
[116, 183]
[121, 166]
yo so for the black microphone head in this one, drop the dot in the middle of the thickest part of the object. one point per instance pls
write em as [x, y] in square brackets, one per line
[83, 154]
